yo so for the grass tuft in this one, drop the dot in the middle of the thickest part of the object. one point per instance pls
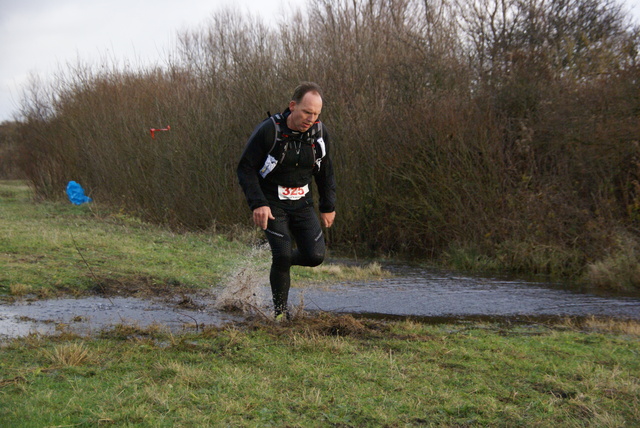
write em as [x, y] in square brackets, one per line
[19, 289]
[340, 272]
[68, 355]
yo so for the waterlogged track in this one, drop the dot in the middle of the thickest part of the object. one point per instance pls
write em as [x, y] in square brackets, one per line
[429, 294]
[90, 315]
[410, 293]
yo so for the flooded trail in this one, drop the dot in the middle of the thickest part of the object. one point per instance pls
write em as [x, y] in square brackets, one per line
[411, 292]
[422, 293]
[90, 315]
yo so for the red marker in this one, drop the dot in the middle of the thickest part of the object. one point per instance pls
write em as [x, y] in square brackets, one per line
[154, 130]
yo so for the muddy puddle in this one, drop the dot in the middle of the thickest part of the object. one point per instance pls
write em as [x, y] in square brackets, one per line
[421, 293]
[90, 315]
[411, 292]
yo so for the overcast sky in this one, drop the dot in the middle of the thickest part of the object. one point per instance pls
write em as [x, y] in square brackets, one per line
[39, 37]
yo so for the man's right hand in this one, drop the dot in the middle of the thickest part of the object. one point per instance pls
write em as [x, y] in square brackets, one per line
[261, 217]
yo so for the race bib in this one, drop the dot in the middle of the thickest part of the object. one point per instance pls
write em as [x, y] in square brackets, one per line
[292, 193]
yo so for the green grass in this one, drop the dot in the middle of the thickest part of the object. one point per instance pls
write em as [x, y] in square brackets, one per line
[316, 371]
[48, 248]
[325, 371]
[59, 246]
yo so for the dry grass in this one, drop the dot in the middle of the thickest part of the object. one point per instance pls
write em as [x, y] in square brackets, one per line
[628, 327]
[19, 289]
[180, 372]
[372, 270]
[620, 270]
[68, 355]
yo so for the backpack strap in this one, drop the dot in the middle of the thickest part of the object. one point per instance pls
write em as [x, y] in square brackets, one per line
[277, 120]
[319, 149]
[316, 142]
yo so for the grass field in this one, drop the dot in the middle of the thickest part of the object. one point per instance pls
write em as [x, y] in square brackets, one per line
[319, 370]
[326, 371]
[54, 248]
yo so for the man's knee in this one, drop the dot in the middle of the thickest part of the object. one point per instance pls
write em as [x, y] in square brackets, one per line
[282, 260]
[315, 259]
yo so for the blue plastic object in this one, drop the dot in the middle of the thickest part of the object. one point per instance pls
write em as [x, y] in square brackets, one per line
[76, 194]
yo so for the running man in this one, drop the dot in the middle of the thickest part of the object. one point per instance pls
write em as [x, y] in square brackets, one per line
[275, 172]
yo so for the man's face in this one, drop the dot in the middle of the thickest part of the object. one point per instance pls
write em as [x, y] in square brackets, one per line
[305, 113]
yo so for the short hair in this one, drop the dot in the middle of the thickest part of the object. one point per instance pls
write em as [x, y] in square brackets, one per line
[303, 88]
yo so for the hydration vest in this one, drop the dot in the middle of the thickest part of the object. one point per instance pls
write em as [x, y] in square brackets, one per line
[282, 142]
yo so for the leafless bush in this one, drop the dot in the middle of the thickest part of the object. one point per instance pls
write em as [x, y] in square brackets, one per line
[9, 168]
[507, 127]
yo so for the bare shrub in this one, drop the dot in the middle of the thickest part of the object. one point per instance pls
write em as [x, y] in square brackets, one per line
[620, 270]
[9, 168]
[504, 127]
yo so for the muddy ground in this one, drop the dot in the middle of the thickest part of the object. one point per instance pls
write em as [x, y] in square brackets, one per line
[414, 293]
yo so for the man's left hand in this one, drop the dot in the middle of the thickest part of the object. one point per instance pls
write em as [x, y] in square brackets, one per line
[327, 219]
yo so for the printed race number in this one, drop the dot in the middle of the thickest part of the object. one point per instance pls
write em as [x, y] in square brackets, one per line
[292, 193]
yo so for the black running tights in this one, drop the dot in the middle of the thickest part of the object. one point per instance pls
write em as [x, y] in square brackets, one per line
[302, 226]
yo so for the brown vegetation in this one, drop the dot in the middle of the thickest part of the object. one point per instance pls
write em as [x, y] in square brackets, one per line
[9, 151]
[502, 130]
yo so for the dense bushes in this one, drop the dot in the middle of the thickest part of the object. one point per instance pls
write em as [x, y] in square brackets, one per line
[492, 132]
[9, 147]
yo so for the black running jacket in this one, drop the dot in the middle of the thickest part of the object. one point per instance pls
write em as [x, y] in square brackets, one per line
[296, 169]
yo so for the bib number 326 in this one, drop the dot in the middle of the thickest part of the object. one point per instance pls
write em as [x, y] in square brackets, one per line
[292, 193]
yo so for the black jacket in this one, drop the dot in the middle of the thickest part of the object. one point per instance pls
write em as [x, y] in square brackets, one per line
[295, 170]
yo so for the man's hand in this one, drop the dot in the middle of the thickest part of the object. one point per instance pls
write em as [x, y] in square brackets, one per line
[261, 216]
[327, 219]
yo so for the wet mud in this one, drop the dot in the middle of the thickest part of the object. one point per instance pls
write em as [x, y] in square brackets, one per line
[414, 293]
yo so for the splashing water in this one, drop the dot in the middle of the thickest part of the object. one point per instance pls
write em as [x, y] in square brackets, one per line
[244, 289]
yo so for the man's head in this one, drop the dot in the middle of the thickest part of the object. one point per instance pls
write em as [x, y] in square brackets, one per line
[305, 106]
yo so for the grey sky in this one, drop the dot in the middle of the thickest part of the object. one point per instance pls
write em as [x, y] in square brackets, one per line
[39, 37]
